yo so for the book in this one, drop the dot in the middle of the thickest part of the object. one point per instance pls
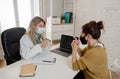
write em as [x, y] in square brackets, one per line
[27, 70]
[68, 17]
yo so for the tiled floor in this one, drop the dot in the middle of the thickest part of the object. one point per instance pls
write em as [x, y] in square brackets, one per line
[55, 42]
[2, 63]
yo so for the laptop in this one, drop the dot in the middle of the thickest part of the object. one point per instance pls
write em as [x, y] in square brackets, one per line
[65, 48]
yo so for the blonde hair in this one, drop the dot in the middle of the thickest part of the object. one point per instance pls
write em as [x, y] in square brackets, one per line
[31, 30]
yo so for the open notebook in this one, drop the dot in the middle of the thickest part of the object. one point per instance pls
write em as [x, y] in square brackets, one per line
[27, 70]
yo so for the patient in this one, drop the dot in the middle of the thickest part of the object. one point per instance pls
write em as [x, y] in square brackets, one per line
[34, 41]
[93, 59]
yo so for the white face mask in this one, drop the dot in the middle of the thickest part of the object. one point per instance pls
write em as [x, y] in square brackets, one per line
[40, 30]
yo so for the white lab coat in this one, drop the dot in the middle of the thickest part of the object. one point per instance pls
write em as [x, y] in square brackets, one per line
[28, 49]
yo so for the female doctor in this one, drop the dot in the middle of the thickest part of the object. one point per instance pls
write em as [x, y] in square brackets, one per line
[34, 41]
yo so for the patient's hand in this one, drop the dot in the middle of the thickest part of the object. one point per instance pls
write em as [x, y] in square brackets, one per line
[75, 44]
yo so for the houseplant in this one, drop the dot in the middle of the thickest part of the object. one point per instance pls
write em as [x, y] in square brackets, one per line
[62, 19]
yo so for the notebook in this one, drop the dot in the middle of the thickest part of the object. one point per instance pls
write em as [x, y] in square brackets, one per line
[65, 48]
[27, 70]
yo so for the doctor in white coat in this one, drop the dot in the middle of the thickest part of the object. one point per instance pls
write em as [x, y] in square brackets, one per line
[34, 41]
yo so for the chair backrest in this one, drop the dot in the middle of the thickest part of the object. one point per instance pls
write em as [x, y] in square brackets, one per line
[11, 43]
[114, 75]
[115, 69]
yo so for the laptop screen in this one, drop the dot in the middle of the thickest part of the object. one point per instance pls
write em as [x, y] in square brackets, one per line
[65, 42]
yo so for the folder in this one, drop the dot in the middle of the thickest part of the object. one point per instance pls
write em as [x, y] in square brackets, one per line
[27, 70]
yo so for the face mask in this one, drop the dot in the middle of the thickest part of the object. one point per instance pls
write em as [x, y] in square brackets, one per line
[83, 40]
[40, 30]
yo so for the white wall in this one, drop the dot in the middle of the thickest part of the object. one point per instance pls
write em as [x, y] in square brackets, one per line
[52, 8]
[46, 8]
[109, 12]
[57, 7]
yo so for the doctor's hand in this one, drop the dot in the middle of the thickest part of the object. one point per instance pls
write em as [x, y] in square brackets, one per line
[44, 43]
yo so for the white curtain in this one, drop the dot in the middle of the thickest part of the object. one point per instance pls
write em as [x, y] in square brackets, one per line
[7, 15]
[37, 8]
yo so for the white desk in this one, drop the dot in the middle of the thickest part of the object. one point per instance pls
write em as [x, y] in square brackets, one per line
[62, 69]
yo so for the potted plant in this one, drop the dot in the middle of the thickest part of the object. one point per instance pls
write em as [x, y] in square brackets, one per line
[62, 19]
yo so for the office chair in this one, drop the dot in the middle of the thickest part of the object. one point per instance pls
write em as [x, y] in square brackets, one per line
[10, 39]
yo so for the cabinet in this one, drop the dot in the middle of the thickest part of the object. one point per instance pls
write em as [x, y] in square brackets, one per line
[54, 31]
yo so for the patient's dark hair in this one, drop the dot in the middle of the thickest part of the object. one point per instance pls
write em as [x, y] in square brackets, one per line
[93, 28]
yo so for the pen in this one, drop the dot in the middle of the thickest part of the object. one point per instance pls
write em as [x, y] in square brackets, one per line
[47, 61]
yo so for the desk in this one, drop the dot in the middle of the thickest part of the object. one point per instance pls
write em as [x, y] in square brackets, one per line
[62, 69]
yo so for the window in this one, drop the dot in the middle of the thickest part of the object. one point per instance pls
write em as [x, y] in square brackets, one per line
[7, 18]
[14, 13]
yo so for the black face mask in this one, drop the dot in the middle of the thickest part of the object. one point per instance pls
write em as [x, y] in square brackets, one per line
[83, 40]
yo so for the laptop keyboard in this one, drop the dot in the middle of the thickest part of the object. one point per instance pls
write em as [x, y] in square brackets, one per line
[60, 52]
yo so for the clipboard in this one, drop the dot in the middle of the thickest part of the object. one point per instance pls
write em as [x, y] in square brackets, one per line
[27, 70]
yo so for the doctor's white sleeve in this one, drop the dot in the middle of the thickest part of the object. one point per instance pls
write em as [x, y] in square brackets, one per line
[27, 49]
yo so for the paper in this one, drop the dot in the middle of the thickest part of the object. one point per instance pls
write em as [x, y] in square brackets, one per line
[44, 59]
[27, 70]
